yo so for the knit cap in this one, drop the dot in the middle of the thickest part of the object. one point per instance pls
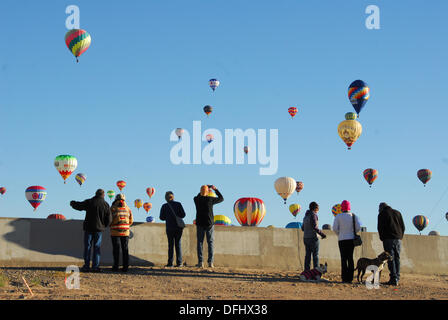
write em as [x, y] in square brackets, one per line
[345, 206]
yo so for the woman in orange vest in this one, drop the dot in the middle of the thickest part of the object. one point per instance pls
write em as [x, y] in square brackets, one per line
[119, 231]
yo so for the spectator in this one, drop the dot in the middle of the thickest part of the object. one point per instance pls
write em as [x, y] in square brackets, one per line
[310, 239]
[119, 231]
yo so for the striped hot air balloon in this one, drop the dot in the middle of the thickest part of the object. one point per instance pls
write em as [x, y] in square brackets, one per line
[358, 94]
[424, 175]
[121, 184]
[138, 203]
[150, 191]
[420, 222]
[147, 206]
[77, 41]
[56, 216]
[222, 220]
[81, 178]
[2, 190]
[208, 109]
[294, 209]
[111, 194]
[65, 164]
[292, 111]
[299, 186]
[35, 195]
[336, 209]
[370, 175]
[213, 83]
[249, 211]
[209, 138]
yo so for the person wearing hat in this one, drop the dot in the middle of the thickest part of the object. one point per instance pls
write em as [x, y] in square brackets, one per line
[310, 231]
[172, 212]
[119, 230]
[391, 229]
[343, 227]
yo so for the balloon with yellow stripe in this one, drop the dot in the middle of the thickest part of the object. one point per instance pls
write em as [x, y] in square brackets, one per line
[77, 41]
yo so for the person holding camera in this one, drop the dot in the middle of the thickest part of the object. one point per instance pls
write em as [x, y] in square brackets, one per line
[310, 231]
[205, 221]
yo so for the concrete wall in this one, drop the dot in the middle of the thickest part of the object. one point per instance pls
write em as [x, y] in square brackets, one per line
[50, 242]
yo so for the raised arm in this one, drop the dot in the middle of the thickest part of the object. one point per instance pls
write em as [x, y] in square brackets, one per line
[220, 197]
[80, 206]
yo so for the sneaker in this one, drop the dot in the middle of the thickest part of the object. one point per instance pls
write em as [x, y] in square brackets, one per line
[200, 265]
[211, 265]
[179, 265]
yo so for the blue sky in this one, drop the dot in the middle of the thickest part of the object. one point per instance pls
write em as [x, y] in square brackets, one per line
[146, 73]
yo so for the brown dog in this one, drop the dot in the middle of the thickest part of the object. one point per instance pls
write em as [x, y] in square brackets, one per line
[379, 261]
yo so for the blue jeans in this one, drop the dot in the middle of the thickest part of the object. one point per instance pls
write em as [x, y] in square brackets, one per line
[92, 239]
[210, 233]
[174, 241]
[311, 248]
[393, 246]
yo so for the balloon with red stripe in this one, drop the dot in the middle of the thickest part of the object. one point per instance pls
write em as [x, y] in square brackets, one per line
[249, 211]
[77, 41]
[370, 175]
[121, 184]
[35, 195]
[292, 111]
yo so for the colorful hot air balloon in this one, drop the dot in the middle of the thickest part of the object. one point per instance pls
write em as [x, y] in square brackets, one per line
[111, 194]
[138, 203]
[294, 209]
[211, 193]
[179, 132]
[65, 164]
[350, 116]
[337, 209]
[299, 186]
[213, 83]
[147, 206]
[249, 211]
[424, 175]
[77, 41]
[56, 216]
[209, 138]
[292, 111]
[370, 175]
[2, 190]
[349, 131]
[246, 149]
[221, 220]
[80, 178]
[208, 109]
[285, 186]
[121, 184]
[420, 222]
[294, 225]
[150, 219]
[358, 93]
[150, 191]
[35, 195]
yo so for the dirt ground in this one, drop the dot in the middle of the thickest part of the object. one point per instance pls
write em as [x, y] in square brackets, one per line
[190, 283]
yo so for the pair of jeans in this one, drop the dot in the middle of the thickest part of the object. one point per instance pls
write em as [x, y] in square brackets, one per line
[393, 246]
[311, 249]
[210, 233]
[174, 241]
[116, 242]
[92, 240]
[346, 248]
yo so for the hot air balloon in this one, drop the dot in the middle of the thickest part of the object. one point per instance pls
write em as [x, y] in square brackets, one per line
[349, 131]
[208, 109]
[221, 220]
[294, 209]
[65, 164]
[2, 190]
[433, 233]
[56, 216]
[420, 222]
[299, 186]
[213, 83]
[350, 116]
[138, 203]
[326, 227]
[179, 132]
[246, 149]
[80, 178]
[150, 191]
[285, 186]
[424, 175]
[337, 209]
[111, 194]
[249, 211]
[292, 112]
[358, 93]
[77, 41]
[121, 184]
[370, 175]
[211, 193]
[294, 225]
[150, 219]
[35, 195]
[147, 206]
[209, 138]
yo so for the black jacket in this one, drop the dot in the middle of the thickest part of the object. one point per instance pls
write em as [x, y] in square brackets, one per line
[166, 214]
[390, 224]
[98, 215]
[204, 209]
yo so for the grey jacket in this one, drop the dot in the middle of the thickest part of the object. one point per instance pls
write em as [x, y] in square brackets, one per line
[309, 226]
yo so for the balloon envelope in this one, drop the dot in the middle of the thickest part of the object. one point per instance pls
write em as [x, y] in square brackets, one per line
[121, 184]
[65, 164]
[292, 111]
[150, 219]
[213, 83]
[349, 131]
[56, 216]
[208, 109]
[147, 206]
[358, 94]
[35, 195]
[424, 175]
[2, 190]
[291, 225]
[80, 178]
[420, 222]
[336, 209]
[294, 209]
[111, 194]
[150, 191]
[222, 220]
[77, 41]
[179, 132]
[370, 175]
[299, 186]
[249, 211]
[285, 186]
[138, 203]
[209, 138]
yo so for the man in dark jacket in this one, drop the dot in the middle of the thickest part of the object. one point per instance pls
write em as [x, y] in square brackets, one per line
[98, 218]
[391, 229]
[173, 229]
[205, 221]
[310, 231]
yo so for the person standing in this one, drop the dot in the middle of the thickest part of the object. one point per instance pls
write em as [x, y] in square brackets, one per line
[119, 231]
[97, 219]
[172, 212]
[205, 221]
[310, 239]
[343, 227]
[391, 230]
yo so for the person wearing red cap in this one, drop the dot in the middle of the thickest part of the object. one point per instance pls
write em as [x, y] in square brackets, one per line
[343, 227]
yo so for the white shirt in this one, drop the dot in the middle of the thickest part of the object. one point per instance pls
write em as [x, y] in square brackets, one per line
[343, 226]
